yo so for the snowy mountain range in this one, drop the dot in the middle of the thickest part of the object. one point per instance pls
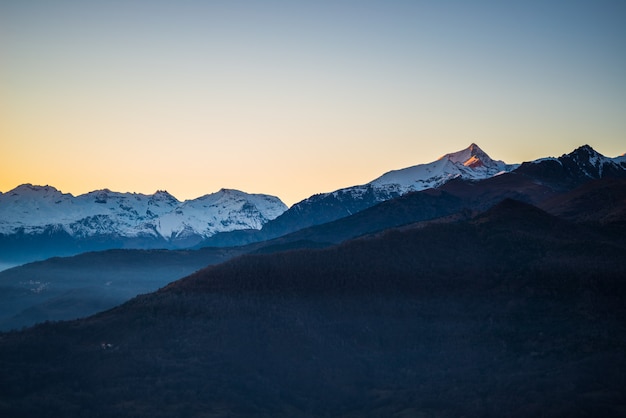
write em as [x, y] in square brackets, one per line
[582, 186]
[40, 221]
[36, 210]
[582, 164]
[471, 163]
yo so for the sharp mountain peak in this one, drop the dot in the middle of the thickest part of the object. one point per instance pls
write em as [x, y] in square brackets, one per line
[472, 156]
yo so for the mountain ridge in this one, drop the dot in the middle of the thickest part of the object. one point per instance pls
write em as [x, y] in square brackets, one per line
[540, 179]
[161, 221]
[469, 163]
[126, 219]
[602, 201]
[327, 207]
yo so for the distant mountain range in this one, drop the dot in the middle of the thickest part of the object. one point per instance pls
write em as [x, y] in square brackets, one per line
[37, 222]
[41, 221]
[541, 178]
[581, 186]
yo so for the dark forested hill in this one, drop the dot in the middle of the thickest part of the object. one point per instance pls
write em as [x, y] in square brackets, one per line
[512, 312]
[600, 201]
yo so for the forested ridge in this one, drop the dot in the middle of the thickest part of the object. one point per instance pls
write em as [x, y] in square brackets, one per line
[514, 311]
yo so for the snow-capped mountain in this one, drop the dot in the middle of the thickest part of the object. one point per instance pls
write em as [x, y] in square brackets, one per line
[224, 211]
[593, 164]
[35, 210]
[575, 168]
[471, 163]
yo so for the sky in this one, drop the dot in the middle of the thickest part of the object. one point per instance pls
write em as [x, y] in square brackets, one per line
[293, 98]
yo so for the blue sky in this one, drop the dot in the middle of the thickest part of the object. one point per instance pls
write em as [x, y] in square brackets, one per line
[293, 98]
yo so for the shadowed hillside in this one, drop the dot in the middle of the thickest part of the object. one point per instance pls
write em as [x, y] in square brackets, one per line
[514, 310]
[601, 201]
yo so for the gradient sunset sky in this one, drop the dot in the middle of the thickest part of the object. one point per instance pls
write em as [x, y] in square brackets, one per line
[293, 98]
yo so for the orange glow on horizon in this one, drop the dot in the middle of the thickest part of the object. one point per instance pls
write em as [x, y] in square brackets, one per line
[197, 98]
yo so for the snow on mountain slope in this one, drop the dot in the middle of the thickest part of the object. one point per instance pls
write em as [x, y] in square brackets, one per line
[599, 161]
[124, 214]
[226, 210]
[590, 162]
[469, 163]
[32, 209]
[584, 163]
